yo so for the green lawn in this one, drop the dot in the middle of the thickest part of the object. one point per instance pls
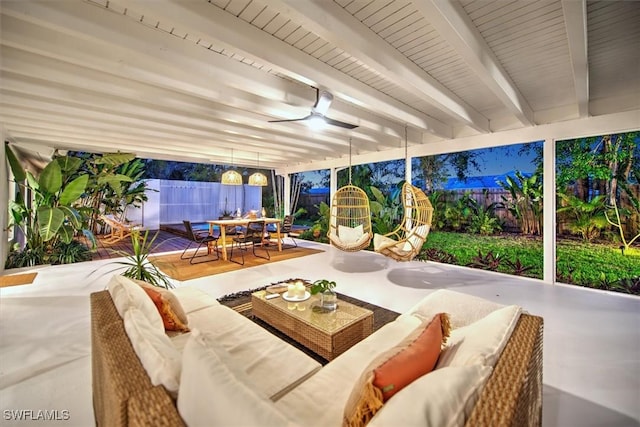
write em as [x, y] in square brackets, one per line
[582, 263]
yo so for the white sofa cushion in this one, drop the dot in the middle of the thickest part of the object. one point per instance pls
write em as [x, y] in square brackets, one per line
[273, 365]
[320, 400]
[480, 342]
[214, 392]
[193, 299]
[446, 398]
[158, 356]
[126, 293]
[462, 309]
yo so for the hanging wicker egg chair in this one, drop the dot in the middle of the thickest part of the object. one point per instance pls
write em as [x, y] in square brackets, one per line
[350, 219]
[406, 241]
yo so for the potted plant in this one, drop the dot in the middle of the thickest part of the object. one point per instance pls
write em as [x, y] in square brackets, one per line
[328, 297]
[138, 265]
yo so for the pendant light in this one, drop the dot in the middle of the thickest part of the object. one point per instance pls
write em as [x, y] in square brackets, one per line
[258, 179]
[231, 177]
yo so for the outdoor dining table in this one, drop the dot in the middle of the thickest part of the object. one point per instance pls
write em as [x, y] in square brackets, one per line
[241, 222]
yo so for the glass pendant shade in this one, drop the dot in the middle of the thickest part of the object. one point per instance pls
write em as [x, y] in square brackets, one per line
[258, 179]
[231, 177]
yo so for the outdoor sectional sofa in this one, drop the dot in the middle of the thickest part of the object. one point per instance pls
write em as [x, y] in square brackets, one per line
[490, 372]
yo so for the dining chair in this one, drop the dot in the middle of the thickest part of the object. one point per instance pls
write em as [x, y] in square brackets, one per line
[254, 235]
[200, 239]
[286, 231]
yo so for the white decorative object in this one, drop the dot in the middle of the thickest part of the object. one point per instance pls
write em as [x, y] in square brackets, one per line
[306, 296]
[300, 289]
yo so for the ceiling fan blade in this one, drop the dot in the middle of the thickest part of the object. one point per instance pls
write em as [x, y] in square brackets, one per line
[323, 101]
[291, 120]
[339, 123]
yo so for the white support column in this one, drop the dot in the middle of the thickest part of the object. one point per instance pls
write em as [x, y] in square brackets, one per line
[4, 195]
[286, 197]
[549, 211]
[333, 183]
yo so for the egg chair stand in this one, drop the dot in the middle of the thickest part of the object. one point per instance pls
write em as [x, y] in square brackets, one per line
[350, 217]
[405, 242]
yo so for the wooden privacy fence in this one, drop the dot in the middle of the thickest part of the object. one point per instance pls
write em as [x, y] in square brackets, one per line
[485, 198]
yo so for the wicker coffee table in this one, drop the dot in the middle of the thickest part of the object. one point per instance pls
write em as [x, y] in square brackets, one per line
[326, 333]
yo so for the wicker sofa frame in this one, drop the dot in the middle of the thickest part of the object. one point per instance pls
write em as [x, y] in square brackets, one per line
[124, 396]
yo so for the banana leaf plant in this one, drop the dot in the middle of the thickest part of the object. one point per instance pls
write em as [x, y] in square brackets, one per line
[44, 207]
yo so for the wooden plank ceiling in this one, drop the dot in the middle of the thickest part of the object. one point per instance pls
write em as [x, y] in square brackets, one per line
[200, 80]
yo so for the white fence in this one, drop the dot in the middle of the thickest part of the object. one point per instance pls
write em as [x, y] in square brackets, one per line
[171, 202]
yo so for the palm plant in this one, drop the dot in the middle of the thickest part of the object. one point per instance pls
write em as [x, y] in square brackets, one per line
[525, 201]
[586, 218]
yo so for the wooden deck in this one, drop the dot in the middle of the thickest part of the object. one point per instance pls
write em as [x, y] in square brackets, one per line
[165, 242]
[171, 237]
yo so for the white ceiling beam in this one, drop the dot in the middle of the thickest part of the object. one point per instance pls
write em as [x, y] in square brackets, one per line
[148, 71]
[334, 24]
[455, 26]
[117, 45]
[123, 40]
[158, 153]
[575, 16]
[210, 22]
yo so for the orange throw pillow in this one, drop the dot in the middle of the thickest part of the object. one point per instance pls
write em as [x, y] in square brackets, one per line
[170, 319]
[396, 368]
[418, 357]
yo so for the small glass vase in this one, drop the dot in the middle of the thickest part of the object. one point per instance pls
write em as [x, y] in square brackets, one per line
[328, 300]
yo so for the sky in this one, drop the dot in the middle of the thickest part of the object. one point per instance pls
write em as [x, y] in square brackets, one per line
[492, 161]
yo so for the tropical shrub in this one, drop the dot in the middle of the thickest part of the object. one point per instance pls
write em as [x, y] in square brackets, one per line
[68, 253]
[456, 214]
[482, 219]
[437, 199]
[385, 210]
[45, 208]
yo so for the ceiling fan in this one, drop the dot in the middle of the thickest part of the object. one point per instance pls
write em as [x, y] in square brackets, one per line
[323, 101]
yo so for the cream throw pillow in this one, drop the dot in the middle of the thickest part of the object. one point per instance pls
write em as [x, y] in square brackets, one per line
[447, 397]
[480, 342]
[126, 293]
[462, 309]
[158, 356]
[350, 235]
[214, 392]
